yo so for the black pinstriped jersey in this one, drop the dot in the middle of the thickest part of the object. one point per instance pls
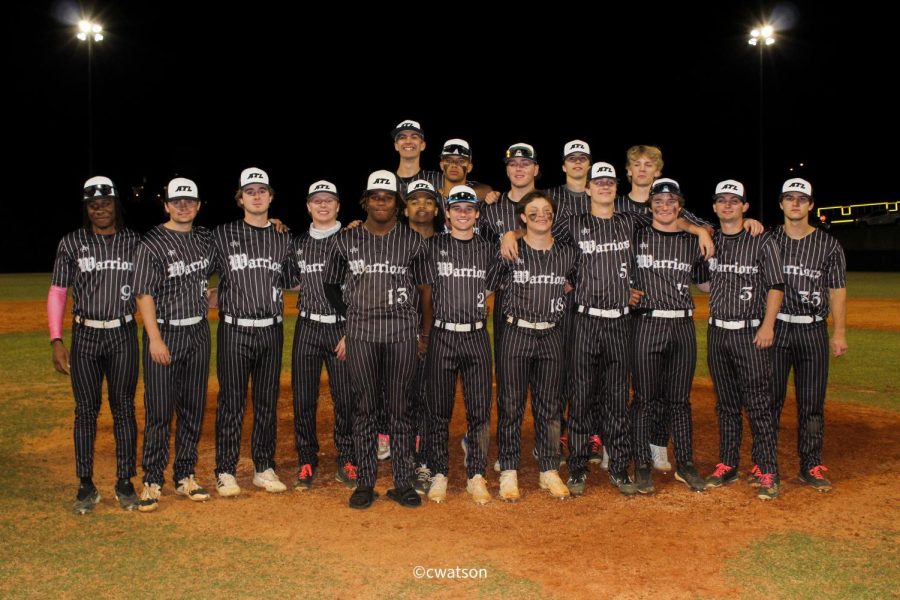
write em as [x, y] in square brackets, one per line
[568, 204]
[607, 257]
[251, 263]
[435, 178]
[534, 284]
[741, 274]
[100, 271]
[307, 269]
[812, 266]
[174, 267]
[380, 274]
[457, 272]
[498, 218]
[665, 263]
[624, 203]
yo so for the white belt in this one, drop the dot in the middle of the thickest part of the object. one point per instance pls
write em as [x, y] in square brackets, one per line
[734, 324]
[459, 326]
[253, 322]
[613, 313]
[181, 322]
[104, 324]
[799, 318]
[670, 314]
[321, 318]
[529, 324]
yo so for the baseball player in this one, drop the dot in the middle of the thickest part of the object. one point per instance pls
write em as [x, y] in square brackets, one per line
[456, 164]
[746, 287]
[423, 216]
[664, 345]
[379, 266]
[97, 262]
[533, 304]
[251, 257]
[409, 142]
[318, 340]
[815, 282]
[456, 267]
[171, 271]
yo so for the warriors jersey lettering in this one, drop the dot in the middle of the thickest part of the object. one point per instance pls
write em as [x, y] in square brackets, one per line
[379, 274]
[741, 274]
[173, 267]
[665, 264]
[498, 218]
[307, 268]
[100, 271]
[534, 284]
[607, 257]
[812, 266]
[457, 272]
[251, 263]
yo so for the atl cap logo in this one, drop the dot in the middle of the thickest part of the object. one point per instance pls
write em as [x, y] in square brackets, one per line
[604, 170]
[797, 184]
[577, 146]
[729, 186]
[420, 186]
[254, 176]
[383, 180]
[322, 186]
[184, 188]
[406, 124]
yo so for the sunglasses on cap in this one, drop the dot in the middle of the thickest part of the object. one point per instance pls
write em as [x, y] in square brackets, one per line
[520, 152]
[463, 197]
[95, 191]
[455, 149]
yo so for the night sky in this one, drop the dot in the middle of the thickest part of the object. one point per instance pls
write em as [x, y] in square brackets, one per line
[202, 90]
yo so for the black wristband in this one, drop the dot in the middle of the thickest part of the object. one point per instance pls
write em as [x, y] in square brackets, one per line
[55, 340]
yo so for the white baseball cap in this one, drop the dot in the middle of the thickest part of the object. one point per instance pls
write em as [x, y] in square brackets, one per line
[797, 185]
[254, 175]
[603, 169]
[730, 186]
[322, 187]
[407, 125]
[664, 185]
[420, 185]
[99, 187]
[576, 147]
[382, 180]
[460, 194]
[456, 147]
[521, 150]
[181, 188]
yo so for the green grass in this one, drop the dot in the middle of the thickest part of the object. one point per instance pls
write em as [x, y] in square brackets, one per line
[873, 285]
[797, 565]
[24, 286]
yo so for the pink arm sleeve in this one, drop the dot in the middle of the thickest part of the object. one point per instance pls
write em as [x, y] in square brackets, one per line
[56, 305]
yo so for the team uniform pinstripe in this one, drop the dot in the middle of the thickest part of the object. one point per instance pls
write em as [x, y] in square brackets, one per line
[251, 262]
[99, 269]
[435, 178]
[314, 343]
[664, 350]
[173, 268]
[380, 274]
[534, 291]
[457, 271]
[812, 266]
[659, 432]
[741, 273]
[601, 345]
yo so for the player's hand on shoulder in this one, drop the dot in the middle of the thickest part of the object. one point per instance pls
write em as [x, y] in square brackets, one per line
[280, 227]
[61, 357]
[491, 197]
[753, 227]
[509, 246]
[353, 224]
[707, 247]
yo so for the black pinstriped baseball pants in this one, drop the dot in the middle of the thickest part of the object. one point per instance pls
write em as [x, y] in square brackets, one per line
[314, 345]
[178, 388]
[246, 354]
[742, 378]
[113, 354]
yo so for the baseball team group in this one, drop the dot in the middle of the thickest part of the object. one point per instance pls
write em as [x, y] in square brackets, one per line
[592, 312]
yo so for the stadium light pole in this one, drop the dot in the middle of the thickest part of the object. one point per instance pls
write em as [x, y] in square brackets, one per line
[761, 37]
[90, 33]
